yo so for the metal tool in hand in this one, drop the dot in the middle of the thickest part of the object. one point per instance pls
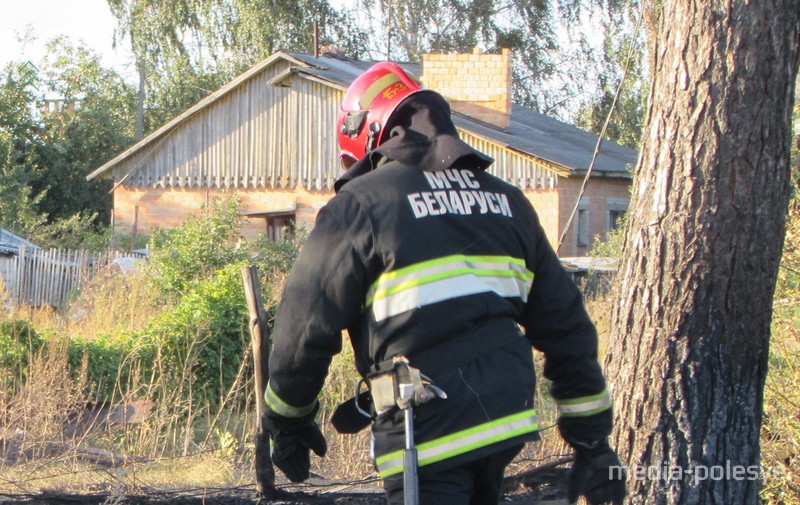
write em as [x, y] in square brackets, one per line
[410, 479]
[404, 387]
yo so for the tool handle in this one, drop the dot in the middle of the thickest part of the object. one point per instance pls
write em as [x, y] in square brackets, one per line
[410, 483]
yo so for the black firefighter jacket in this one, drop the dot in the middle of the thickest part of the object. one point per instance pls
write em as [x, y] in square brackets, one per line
[451, 269]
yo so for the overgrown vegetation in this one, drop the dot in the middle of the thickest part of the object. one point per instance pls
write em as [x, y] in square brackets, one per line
[176, 335]
[48, 147]
[781, 428]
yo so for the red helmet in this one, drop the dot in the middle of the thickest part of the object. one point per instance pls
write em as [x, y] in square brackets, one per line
[368, 103]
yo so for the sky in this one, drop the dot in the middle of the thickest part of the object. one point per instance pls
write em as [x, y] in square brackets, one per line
[87, 21]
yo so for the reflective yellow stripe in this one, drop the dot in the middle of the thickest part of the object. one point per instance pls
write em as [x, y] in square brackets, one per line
[462, 442]
[375, 89]
[280, 407]
[446, 278]
[584, 405]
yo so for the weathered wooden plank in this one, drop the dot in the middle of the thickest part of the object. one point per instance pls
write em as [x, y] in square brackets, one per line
[265, 473]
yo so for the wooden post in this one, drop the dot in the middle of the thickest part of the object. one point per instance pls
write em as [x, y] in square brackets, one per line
[265, 473]
[135, 230]
[21, 278]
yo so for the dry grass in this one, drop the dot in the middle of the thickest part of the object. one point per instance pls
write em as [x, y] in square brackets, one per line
[189, 444]
[183, 442]
[52, 435]
[780, 433]
[111, 303]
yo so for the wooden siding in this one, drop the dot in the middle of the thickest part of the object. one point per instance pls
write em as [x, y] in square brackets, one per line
[261, 136]
[522, 171]
[257, 136]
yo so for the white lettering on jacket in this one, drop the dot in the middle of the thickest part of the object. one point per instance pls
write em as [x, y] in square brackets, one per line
[456, 192]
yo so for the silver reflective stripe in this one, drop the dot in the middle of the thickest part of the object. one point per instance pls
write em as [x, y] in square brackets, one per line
[585, 405]
[447, 278]
[463, 441]
[280, 407]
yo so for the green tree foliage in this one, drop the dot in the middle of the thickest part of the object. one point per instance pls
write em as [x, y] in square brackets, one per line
[45, 154]
[251, 30]
[623, 66]
[19, 138]
[411, 29]
[564, 52]
[185, 49]
[93, 125]
[562, 64]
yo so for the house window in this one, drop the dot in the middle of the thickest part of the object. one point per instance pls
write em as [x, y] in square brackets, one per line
[279, 223]
[616, 209]
[582, 234]
[278, 227]
[583, 227]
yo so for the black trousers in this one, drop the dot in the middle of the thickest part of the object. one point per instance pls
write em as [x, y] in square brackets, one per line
[478, 482]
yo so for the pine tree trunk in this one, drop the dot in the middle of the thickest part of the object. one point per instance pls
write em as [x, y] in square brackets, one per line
[687, 355]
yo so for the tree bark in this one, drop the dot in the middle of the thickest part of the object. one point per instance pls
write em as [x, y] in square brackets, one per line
[688, 347]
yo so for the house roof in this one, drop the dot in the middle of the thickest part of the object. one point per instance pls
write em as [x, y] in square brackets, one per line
[529, 133]
[10, 243]
[10, 238]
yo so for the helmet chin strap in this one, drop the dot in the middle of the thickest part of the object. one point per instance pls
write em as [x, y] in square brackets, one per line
[372, 135]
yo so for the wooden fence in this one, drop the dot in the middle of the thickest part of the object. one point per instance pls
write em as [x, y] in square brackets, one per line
[39, 277]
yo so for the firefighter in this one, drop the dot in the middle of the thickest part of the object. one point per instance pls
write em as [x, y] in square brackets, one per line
[424, 255]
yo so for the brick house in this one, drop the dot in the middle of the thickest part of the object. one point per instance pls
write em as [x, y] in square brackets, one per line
[268, 136]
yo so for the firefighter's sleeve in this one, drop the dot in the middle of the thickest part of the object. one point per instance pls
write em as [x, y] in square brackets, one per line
[323, 294]
[556, 322]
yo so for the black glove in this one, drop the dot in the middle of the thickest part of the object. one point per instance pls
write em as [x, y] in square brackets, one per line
[596, 474]
[290, 442]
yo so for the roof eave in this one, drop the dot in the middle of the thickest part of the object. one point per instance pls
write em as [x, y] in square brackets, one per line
[604, 174]
[279, 80]
[558, 168]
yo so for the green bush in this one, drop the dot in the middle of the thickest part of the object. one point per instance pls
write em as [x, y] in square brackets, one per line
[276, 257]
[611, 247]
[204, 243]
[18, 340]
[111, 363]
[199, 342]
[205, 333]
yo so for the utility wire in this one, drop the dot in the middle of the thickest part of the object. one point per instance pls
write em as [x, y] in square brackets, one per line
[599, 143]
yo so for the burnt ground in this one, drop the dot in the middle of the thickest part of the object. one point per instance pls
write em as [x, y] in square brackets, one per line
[543, 488]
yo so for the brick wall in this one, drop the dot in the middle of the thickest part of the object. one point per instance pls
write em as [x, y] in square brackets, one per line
[476, 84]
[545, 202]
[168, 207]
[599, 196]
[162, 208]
